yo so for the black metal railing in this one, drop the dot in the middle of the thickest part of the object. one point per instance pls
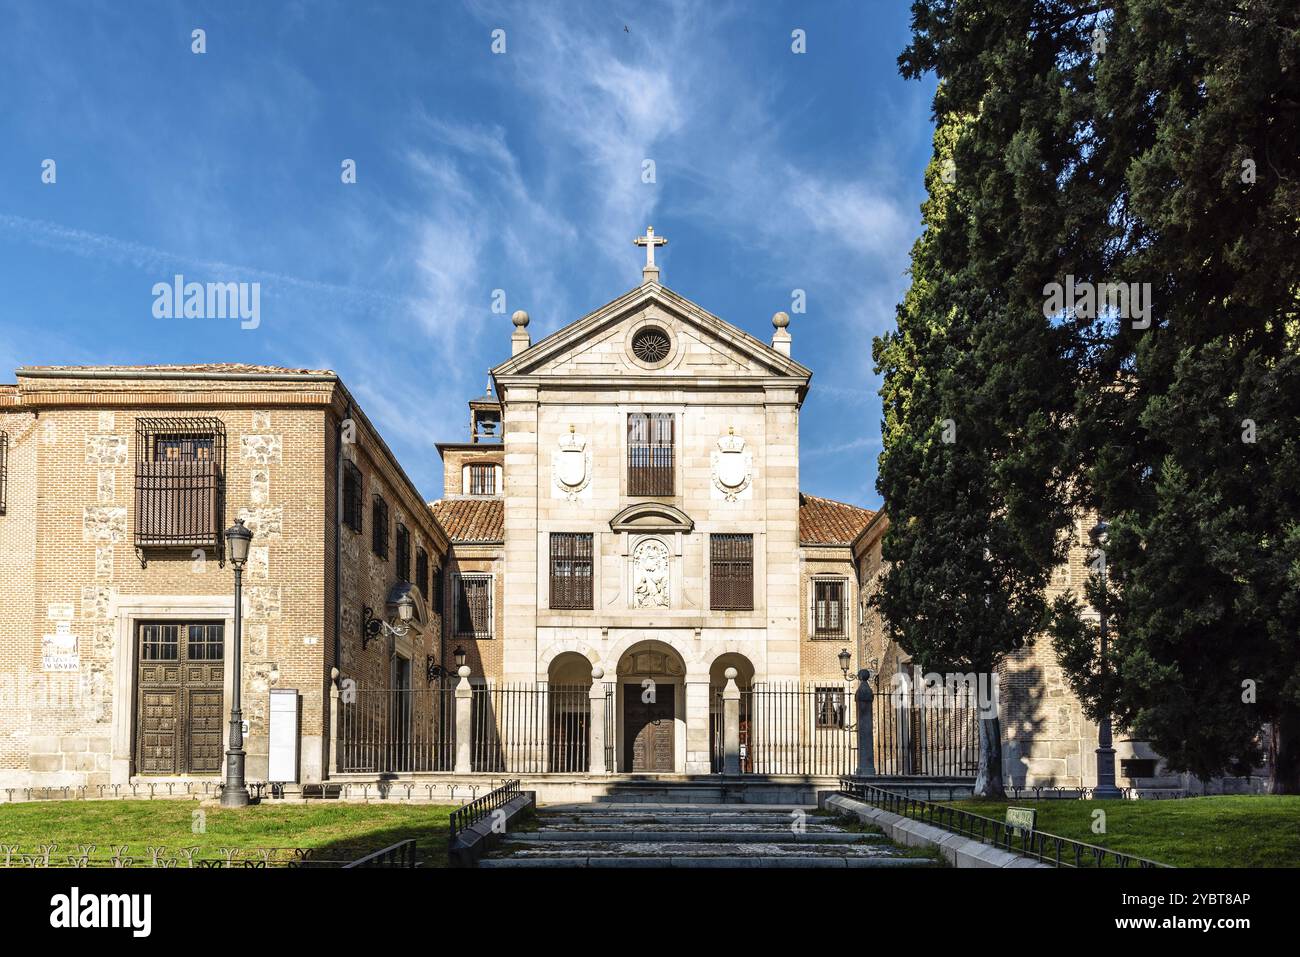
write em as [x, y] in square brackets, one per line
[394, 730]
[1040, 845]
[401, 854]
[926, 731]
[4, 470]
[180, 466]
[531, 728]
[463, 817]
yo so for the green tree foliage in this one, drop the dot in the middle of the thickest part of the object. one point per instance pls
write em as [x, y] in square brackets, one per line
[1149, 142]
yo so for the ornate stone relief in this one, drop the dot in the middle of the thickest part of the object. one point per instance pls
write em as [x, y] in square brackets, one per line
[571, 466]
[733, 467]
[650, 575]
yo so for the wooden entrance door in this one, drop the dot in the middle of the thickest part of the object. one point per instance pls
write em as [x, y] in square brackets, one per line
[179, 673]
[648, 732]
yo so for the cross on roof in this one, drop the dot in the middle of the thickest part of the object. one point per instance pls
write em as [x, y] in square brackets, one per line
[650, 241]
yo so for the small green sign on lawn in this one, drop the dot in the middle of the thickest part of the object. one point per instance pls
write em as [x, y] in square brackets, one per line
[1021, 819]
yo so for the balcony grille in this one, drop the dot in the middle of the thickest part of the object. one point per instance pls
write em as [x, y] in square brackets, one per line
[403, 553]
[482, 480]
[571, 570]
[422, 572]
[474, 606]
[650, 453]
[731, 572]
[352, 497]
[379, 527]
[179, 483]
[828, 609]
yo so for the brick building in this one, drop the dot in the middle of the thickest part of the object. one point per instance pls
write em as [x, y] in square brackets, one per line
[116, 603]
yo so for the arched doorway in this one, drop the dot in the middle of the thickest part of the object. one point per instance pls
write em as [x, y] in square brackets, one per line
[568, 704]
[652, 709]
[717, 682]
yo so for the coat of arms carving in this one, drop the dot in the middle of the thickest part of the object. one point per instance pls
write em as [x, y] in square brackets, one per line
[733, 466]
[571, 464]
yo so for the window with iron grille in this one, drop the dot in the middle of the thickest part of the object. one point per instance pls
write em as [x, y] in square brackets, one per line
[828, 609]
[4, 470]
[650, 453]
[832, 707]
[422, 571]
[403, 553]
[571, 569]
[482, 480]
[379, 526]
[352, 496]
[731, 572]
[437, 590]
[474, 606]
[179, 482]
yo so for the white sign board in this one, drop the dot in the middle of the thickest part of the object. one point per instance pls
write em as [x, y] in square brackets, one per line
[284, 736]
[60, 651]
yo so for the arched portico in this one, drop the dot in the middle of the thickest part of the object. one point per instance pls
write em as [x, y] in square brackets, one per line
[651, 709]
[717, 683]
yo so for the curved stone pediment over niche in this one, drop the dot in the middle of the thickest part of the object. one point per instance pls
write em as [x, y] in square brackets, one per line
[650, 663]
[651, 517]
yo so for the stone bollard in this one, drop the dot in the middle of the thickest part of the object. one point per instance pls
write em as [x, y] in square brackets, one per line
[464, 722]
[597, 722]
[866, 742]
[731, 724]
[334, 724]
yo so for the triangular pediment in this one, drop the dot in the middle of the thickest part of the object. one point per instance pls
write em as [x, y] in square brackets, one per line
[700, 345]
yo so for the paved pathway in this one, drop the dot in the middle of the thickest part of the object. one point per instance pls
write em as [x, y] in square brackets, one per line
[645, 834]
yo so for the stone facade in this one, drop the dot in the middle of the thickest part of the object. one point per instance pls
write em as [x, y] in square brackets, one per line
[563, 454]
[75, 588]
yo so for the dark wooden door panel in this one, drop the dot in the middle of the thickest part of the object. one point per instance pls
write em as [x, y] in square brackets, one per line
[179, 680]
[648, 732]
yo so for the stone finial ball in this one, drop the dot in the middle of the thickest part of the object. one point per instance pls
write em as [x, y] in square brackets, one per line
[597, 672]
[780, 320]
[463, 671]
[730, 674]
[520, 318]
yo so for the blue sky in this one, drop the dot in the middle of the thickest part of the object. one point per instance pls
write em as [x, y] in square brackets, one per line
[476, 171]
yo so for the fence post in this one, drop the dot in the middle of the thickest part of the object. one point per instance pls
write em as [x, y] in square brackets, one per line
[866, 740]
[464, 722]
[596, 722]
[731, 724]
[334, 724]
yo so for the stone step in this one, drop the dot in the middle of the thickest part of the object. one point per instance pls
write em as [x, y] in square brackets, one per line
[648, 834]
[637, 807]
[678, 862]
[689, 821]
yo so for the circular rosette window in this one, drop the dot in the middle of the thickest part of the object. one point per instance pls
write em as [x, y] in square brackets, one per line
[651, 345]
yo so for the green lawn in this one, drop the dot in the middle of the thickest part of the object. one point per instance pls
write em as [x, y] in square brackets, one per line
[1228, 831]
[336, 831]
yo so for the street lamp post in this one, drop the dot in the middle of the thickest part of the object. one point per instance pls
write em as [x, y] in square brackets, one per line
[235, 793]
[1105, 751]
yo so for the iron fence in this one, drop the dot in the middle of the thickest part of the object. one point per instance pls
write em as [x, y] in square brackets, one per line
[531, 729]
[1040, 845]
[925, 731]
[395, 730]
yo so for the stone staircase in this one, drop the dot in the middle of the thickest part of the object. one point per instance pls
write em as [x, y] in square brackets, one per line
[648, 831]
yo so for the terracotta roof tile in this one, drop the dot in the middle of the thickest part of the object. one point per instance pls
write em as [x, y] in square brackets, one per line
[823, 521]
[468, 520]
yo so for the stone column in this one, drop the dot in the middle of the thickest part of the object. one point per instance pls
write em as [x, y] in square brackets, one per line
[699, 759]
[464, 722]
[333, 730]
[596, 721]
[866, 740]
[731, 724]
